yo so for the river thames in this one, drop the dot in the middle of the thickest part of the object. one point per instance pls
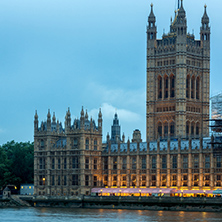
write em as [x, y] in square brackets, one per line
[91, 215]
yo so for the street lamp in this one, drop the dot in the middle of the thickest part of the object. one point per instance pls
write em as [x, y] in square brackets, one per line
[101, 192]
[160, 192]
[182, 192]
[140, 192]
[120, 192]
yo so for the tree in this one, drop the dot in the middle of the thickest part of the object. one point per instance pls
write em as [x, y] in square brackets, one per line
[16, 163]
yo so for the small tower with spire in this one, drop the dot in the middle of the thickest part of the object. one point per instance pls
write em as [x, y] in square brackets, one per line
[100, 121]
[36, 122]
[48, 121]
[115, 130]
[151, 27]
[82, 119]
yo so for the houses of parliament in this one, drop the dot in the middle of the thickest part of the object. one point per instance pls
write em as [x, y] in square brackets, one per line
[177, 153]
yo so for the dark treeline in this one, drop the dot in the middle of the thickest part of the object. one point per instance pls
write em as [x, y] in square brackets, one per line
[16, 163]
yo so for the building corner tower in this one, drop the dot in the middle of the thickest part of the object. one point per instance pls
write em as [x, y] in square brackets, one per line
[178, 72]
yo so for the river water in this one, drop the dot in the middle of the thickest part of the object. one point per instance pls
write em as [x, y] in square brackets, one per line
[92, 215]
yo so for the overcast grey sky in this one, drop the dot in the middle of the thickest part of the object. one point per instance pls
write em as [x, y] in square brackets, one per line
[69, 53]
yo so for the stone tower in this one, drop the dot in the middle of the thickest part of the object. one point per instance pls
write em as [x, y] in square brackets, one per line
[178, 74]
[115, 130]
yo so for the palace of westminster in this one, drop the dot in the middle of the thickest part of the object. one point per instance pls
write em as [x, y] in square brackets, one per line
[177, 152]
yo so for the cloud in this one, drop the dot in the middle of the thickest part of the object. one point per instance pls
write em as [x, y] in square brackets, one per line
[125, 97]
[108, 112]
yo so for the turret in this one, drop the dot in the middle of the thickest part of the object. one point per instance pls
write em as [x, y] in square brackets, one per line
[68, 120]
[205, 29]
[36, 122]
[91, 124]
[100, 121]
[48, 121]
[181, 24]
[123, 138]
[151, 28]
[54, 118]
[82, 119]
[86, 116]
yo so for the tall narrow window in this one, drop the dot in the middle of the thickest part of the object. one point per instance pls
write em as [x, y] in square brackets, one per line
[218, 162]
[65, 164]
[166, 87]
[160, 129]
[59, 163]
[174, 162]
[87, 162]
[159, 87]
[143, 162]
[87, 144]
[166, 129]
[198, 88]
[115, 163]
[164, 162]
[105, 163]
[172, 129]
[134, 163]
[192, 87]
[192, 128]
[197, 129]
[95, 162]
[153, 162]
[172, 86]
[196, 161]
[75, 180]
[124, 163]
[75, 162]
[187, 128]
[185, 162]
[95, 144]
[188, 87]
[53, 163]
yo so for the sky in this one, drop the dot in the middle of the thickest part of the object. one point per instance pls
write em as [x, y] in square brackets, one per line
[57, 54]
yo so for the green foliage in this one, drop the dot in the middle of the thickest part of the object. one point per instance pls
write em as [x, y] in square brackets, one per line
[16, 163]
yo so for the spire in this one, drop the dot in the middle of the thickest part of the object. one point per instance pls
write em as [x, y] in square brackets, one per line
[48, 115]
[100, 113]
[36, 115]
[86, 116]
[53, 118]
[205, 18]
[82, 112]
[151, 18]
[36, 122]
[181, 11]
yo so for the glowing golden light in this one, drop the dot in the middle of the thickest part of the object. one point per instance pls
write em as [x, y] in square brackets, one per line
[43, 179]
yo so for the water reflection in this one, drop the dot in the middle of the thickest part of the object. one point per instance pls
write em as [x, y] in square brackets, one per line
[107, 215]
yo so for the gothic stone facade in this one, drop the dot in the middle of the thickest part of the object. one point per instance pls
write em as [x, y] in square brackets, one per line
[67, 161]
[178, 68]
[71, 160]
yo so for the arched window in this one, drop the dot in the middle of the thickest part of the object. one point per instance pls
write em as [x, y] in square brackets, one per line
[172, 129]
[159, 87]
[188, 87]
[166, 129]
[197, 129]
[187, 128]
[160, 129]
[166, 87]
[192, 128]
[198, 88]
[192, 87]
[172, 86]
